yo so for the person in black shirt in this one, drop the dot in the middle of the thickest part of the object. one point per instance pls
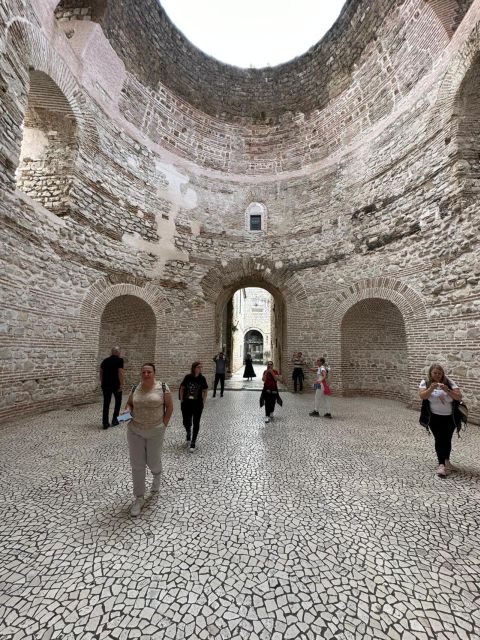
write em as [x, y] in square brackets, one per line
[111, 379]
[193, 395]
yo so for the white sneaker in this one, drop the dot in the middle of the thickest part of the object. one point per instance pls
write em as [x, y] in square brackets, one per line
[156, 483]
[267, 419]
[441, 471]
[137, 506]
[449, 466]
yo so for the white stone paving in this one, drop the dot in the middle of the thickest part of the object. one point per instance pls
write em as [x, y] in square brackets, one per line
[302, 528]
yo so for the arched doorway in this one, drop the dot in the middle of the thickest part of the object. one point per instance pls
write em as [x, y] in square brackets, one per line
[227, 326]
[253, 344]
[374, 350]
[129, 323]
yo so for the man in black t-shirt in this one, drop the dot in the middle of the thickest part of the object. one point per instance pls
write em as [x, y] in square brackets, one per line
[111, 379]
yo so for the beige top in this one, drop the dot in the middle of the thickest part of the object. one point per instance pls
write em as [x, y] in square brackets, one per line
[147, 407]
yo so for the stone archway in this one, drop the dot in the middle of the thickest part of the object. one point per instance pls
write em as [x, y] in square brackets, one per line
[374, 356]
[254, 345]
[129, 323]
[411, 309]
[104, 296]
[290, 308]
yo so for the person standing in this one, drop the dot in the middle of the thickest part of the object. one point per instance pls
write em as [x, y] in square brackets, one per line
[193, 395]
[439, 394]
[297, 373]
[270, 394]
[322, 390]
[249, 371]
[151, 406]
[221, 362]
[111, 380]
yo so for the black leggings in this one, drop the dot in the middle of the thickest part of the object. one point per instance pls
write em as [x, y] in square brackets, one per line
[442, 428]
[270, 400]
[192, 411]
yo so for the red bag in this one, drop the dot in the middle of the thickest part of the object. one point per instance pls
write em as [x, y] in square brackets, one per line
[326, 389]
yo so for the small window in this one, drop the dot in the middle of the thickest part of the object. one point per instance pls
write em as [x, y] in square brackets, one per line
[255, 223]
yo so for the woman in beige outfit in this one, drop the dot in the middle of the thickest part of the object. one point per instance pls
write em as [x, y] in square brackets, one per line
[151, 406]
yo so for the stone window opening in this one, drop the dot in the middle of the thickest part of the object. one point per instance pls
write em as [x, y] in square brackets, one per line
[49, 144]
[256, 218]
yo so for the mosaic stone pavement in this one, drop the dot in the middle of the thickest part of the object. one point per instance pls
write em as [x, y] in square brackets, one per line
[302, 528]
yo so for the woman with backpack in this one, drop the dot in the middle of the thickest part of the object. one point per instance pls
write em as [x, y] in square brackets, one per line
[151, 407]
[439, 394]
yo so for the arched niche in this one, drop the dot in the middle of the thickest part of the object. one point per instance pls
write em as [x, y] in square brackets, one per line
[89, 10]
[129, 323]
[374, 356]
[49, 145]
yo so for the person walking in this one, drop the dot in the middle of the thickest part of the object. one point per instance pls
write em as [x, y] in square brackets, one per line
[221, 362]
[297, 373]
[193, 395]
[249, 371]
[151, 406]
[439, 395]
[111, 380]
[322, 390]
[270, 395]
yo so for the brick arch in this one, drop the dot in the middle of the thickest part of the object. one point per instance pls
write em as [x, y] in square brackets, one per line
[409, 303]
[445, 109]
[35, 53]
[223, 279]
[100, 294]
[292, 306]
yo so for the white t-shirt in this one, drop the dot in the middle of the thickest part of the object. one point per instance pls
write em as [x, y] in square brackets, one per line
[440, 402]
[321, 372]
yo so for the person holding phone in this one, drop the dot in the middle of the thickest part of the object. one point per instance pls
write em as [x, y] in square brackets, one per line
[150, 404]
[440, 393]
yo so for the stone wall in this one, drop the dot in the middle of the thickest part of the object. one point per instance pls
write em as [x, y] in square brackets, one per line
[129, 323]
[370, 184]
[374, 350]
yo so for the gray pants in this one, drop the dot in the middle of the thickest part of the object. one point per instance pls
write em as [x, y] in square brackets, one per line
[145, 449]
[322, 402]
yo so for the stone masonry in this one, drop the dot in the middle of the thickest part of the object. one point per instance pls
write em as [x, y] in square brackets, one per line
[128, 160]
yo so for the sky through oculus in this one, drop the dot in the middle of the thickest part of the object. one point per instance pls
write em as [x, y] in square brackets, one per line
[253, 33]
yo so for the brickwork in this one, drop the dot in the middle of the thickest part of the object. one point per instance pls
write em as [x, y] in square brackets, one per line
[129, 323]
[374, 350]
[366, 164]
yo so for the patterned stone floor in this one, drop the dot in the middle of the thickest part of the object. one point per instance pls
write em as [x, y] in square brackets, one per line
[302, 528]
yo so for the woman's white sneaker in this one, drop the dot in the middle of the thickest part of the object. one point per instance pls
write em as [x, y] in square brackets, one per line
[441, 471]
[137, 506]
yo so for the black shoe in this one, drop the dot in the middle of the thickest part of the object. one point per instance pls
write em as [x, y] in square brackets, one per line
[115, 422]
[106, 425]
[313, 413]
[221, 395]
[327, 415]
[213, 395]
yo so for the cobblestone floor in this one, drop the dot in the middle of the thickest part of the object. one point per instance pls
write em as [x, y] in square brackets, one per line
[302, 528]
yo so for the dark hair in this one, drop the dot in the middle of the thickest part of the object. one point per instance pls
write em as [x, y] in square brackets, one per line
[436, 366]
[321, 360]
[194, 366]
[149, 364]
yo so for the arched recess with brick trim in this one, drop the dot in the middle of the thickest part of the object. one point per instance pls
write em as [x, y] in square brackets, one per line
[98, 324]
[377, 301]
[30, 55]
[291, 306]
